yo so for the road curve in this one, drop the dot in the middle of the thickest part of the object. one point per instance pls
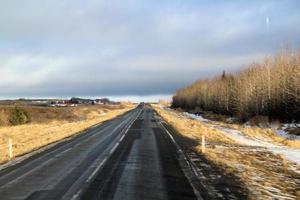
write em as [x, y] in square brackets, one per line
[129, 157]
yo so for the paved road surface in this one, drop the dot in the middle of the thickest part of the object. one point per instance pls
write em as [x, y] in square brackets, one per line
[130, 157]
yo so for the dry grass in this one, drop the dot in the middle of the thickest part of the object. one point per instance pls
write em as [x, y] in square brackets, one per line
[266, 134]
[193, 129]
[266, 175]
[4, 117]
[40, 114]
[29, 137]
[254, 132]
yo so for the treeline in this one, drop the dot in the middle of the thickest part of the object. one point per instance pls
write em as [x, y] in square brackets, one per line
[270, 88]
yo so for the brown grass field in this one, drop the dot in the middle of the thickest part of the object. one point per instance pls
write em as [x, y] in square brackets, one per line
[49, 125]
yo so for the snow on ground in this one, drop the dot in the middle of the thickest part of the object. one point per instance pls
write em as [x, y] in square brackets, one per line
[196, 117]
[284, 133]
[281, 132]
[291, 154]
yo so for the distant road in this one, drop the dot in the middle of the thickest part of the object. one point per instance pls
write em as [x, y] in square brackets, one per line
[129, 157]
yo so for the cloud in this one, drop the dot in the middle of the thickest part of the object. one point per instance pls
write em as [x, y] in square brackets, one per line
[23, 71]
[95, 47]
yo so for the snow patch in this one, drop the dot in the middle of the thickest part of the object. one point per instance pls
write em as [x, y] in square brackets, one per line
[283, 131]
[291, 154]
[286, 135]
[196, 117]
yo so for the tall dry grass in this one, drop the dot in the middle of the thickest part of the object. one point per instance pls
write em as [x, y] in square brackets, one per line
[192, 129]
[29, 137]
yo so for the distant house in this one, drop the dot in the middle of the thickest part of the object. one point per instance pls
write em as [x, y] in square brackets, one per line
[58, 103]
[76, 100]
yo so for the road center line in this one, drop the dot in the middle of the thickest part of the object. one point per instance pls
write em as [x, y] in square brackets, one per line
[96, 169]
[77, 195]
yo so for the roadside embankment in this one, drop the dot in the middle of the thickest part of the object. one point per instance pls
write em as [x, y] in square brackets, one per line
[246, 153]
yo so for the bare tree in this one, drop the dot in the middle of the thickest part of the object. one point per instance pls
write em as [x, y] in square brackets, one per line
[270, 88]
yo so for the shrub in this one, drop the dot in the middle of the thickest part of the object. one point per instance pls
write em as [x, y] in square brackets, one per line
[261, 121]
[18, 116]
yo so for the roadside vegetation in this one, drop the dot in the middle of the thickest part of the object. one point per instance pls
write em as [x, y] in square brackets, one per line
[31, 128]
[264, 173]
[18, 116]
[269, 90]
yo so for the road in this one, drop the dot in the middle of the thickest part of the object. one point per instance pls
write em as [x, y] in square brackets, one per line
[129, 157]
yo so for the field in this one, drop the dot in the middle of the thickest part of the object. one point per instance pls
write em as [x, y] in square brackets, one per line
[252, 160]
[48, 125]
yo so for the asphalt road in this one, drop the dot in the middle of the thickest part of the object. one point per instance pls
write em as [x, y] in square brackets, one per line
[129, 157]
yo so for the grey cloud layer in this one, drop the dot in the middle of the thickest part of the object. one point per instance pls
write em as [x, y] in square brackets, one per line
[133, 47]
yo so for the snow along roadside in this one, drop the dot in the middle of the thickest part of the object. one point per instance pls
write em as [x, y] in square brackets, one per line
[291, 154]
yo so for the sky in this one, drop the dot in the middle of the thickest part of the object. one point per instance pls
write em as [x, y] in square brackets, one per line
[134, 49]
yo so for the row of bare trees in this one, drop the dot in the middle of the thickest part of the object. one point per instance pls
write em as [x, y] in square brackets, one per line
[270, 88]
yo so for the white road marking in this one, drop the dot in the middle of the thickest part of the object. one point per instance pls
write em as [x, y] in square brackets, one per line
[114, 148]
[76, 195]
[173, 140]
[63, 152]
[59, 154]
[96, 169]
[197, 193]
[51, 152]
[122, 138]
[125, 130]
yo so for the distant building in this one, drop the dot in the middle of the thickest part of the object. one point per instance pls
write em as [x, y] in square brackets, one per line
[76, 100]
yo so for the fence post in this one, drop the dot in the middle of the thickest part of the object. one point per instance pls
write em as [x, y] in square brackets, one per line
[203, 144]
[10, 148]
